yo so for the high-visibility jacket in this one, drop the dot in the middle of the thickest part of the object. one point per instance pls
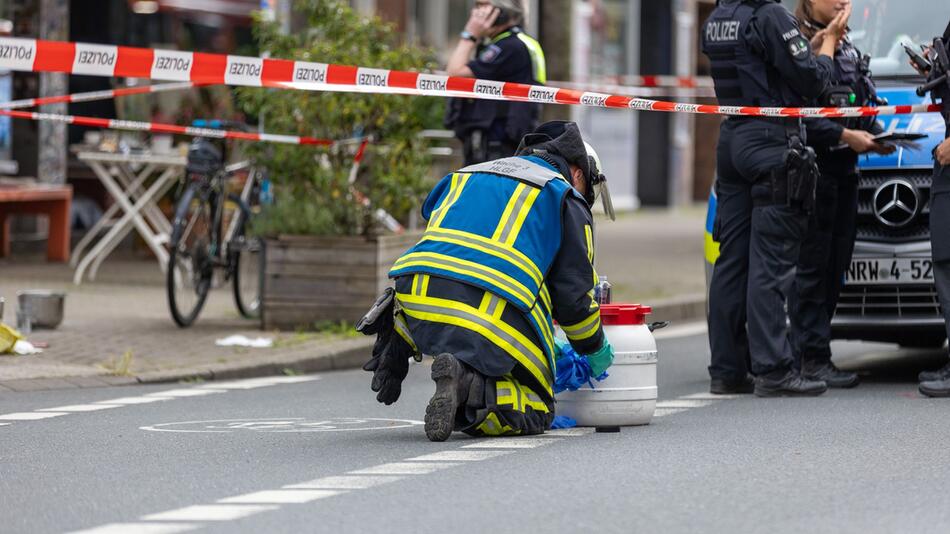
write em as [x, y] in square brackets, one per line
[497, 226]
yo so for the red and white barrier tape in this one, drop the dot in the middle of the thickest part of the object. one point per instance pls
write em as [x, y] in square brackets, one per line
[658, 81]
[381, 215]
[96, 95]
[99, 60]
[155, 127]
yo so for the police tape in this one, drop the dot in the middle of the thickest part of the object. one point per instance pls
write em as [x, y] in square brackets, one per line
[659, 81]
[33, 55]
[155, 127]
[96, 95]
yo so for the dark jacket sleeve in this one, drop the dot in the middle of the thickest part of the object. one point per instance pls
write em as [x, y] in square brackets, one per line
[571, 280]
[775, 35]
[823, 133]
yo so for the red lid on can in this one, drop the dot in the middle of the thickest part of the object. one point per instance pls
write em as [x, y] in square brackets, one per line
[624, 314]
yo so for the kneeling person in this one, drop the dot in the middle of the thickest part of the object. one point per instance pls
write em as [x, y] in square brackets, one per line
[508, 247]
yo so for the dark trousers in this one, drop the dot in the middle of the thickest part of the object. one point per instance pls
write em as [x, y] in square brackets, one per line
[940, 237]
[759, 246]
[478, 148]
[825, 255]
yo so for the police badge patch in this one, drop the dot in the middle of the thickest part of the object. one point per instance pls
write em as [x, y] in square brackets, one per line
[489, 53]
[798, 47]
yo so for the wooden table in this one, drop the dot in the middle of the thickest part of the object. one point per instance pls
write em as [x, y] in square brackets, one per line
[53, 201]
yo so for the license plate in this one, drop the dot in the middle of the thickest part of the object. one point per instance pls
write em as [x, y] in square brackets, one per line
[889, 271]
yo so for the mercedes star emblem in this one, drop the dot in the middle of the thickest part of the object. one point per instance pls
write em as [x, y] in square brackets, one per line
[896, 203]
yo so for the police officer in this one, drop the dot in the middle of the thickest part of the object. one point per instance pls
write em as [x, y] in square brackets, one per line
[493, 46]
[829, 238]
[508, 247]
[937, 383]
[764, 187]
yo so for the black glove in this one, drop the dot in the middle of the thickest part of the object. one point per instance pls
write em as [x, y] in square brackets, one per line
[391, 353]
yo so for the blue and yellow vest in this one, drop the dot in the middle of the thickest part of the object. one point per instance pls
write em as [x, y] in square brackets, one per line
[496, 226]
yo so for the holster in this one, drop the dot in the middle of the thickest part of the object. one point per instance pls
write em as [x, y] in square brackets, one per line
[801, 170]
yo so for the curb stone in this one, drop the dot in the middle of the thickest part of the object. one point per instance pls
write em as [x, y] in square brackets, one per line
[337, 356]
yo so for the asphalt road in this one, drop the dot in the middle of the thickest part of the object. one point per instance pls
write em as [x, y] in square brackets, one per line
[219, 457]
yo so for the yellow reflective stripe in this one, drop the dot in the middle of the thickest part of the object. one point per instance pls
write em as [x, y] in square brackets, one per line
[546, 298]
[455, 191]
[584, 329]
[537, 58]
[533, 400]
[417, 285]
[486, 299]
[425, 285]
[514, 203]
[589, 234]
[710, 249]
[467, 268]
[487, 246]
[546, 333]
[399, 324]
[491, 426]
[521, 216]
[500, 36]
[509, 339]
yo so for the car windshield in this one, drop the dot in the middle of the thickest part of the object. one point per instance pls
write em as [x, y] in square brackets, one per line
[879, 27]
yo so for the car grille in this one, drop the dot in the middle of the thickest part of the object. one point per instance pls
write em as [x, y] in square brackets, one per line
[900, 301]
[869, 228]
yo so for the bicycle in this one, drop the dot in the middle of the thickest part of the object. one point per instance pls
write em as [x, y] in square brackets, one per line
[209, 232]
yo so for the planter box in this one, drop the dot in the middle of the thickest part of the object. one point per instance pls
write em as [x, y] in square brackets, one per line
[312, 279]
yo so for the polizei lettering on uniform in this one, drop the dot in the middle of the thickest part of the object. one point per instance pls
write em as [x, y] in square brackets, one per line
[722, 30]
[89, 57]
[245, 69]
[20, 53]
[175, 64]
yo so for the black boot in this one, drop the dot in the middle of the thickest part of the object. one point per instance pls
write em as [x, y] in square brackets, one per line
[721, 386]
[440, 413]
[934, 376]
[935, 388]
[827, 372]
[787, 383]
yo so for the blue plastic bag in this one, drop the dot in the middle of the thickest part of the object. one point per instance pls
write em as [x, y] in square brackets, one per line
[572, 370]
[562, 421]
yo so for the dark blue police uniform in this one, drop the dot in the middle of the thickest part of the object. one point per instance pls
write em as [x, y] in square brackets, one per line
[492, 129]
[758, 58]
[829, 239]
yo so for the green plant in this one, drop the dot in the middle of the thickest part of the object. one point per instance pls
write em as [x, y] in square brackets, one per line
[119, 366]
[312, 193]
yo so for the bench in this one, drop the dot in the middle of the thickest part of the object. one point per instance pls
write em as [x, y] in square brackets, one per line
[50, 200]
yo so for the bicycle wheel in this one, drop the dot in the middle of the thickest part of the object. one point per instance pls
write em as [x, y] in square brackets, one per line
[190, 264]
[246, 265]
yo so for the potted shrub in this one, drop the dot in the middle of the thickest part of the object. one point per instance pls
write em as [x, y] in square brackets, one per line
[326, 256]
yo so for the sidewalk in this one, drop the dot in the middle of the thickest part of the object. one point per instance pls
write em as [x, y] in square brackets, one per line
[651, 257]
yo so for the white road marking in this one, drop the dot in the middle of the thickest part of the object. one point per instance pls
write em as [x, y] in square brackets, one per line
[211, 512]
[567, 432]
[683, 403]
[253, 383]
[403, 468]
[193, 392]
[79, 408]
[29, 416]
[139, 528]
[125, 401]
[346, 482]
[5, 424]
[663, 412]
[684, 330]
[711, 396]
[511, 443]
[459, 456]
[282, 496]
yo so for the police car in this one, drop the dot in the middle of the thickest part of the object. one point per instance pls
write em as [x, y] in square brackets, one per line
[889, 294]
